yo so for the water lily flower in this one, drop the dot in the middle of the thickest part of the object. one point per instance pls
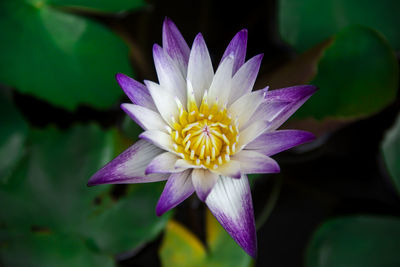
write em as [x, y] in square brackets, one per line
[204, 131]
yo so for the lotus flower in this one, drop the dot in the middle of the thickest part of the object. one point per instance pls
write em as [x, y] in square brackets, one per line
[205, 131]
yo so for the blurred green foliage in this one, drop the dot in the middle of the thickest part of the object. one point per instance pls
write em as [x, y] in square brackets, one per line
[47, 198]
[60, 57]
[357, 76]
[305, 23]
[13, 133]
[357, 241]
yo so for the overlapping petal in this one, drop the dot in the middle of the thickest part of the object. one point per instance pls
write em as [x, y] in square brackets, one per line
[200, 70]
[296, 96]
[175, 45]
[129, 166]
[237, 47]
[274, 142]
[178, 187]
[137, 92]
[146, 118]
[203, 182]
[231, 204]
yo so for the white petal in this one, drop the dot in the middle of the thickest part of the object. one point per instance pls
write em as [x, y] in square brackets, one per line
[129, 166]
[160, 139]
[254, 162]
[146, 118]
[230, 169]
[165, 102]
[184, 164]
[178, 187]
[243, 80]
[230, 202]
[200, 69]
[169, 75]
[250, 133]
[164, 163]
[203, 181]
[221, 84]
[268, 111]
[244, 107]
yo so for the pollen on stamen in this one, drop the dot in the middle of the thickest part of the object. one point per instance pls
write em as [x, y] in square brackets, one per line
[208, 160]
[175, 146]
[215, 166]
[227, 158]
[192, 154]
[197, 161]
[220, 160]
[187, 146]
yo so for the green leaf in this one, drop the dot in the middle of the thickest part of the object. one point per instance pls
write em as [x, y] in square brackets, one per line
[305, 23]
[62, 58]
[181, 248]
[129, 222]
[13, 133]
[100, 5]
[49, 188]
[31, 249]
[391, 153]
[357, 76]
[357, 241]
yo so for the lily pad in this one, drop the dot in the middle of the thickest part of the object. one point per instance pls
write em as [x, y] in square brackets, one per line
[59, 57]
[49, 188]
[48, 250]
[99, 5]
[305, 23]
[357, 241]
[391, 153]
[357, 76]
[13, 133]
[181, 248]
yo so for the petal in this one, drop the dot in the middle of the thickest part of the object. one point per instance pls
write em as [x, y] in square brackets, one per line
[296, 95]
[175, 46]
[129, 166]
[221, 84]
[237, 47]
[168, 74]
[230, 169]
[159, 139]
[178, 188]
[244, 79]
[268, 110]
[244, 108]
[251, 132]
[230, 202]
[165, 102]
[203, 181]
[274, 142]
[146, 118]
[164, 163]
[137, 92]
[200, 69]
[254, 162]
[184, 164]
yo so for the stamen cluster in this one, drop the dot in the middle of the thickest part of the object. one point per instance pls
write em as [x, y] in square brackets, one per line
[205, 136]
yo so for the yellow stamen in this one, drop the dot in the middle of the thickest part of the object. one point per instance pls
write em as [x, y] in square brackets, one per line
[204, 135]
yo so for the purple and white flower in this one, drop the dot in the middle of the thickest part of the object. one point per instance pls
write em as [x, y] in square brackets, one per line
[204, 131]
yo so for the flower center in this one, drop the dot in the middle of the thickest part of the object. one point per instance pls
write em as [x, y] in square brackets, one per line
[205, 136]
